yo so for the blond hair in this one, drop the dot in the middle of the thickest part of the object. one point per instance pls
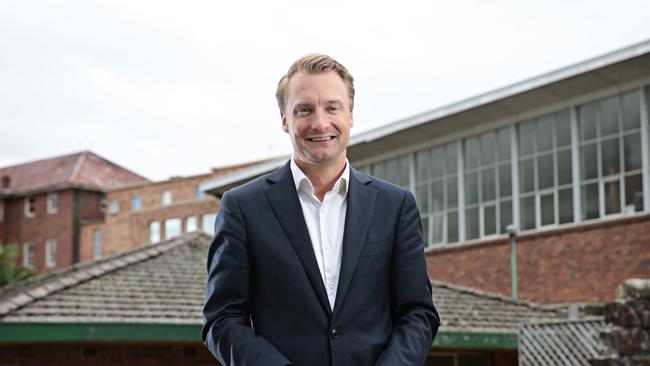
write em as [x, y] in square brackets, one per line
[314, 63]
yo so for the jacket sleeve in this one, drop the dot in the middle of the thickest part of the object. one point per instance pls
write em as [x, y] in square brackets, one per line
[227, 330]
[415, 319]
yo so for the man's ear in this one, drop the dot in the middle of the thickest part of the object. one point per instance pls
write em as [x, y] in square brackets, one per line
[285, 126]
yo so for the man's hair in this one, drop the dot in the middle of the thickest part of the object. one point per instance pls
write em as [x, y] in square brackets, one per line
[314, 63]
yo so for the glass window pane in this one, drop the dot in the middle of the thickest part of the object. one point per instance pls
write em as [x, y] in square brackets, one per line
[471, 223]
[545, 171]
[422, 197]
[590, 201]
[631, 109]
[504, 144]
[547, 203]
[422, 165]
[488, 147]
[191, 224]
[589, 161]
[563, 128]
[526, 137]
[587, 118]
[609, 116]
[471, 153]
[438, 221]
[208, 223]
[505, 181]
[452, 192]
[437, 196]
[404, 171]
[565, 201]
[564, 167]
[611, 163]
[488, 184]
[505, 215]
[526, 175]
[544, 132]
[633, 193]
[392, 171]
[452, 159]
[489, 220]
[471, 188]
[612, 197]
[425, 230]
[172, 228]
[632, 151]
[527, 208]
[452, 227]
[437, 162]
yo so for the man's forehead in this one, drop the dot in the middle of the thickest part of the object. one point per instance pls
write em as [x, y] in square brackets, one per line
[306, 86]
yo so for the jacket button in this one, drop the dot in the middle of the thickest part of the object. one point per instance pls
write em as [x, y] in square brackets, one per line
[334, 333]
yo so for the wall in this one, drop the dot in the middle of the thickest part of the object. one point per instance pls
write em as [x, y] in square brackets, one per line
[578, 264]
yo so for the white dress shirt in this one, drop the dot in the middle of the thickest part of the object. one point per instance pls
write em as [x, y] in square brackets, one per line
[326, 223]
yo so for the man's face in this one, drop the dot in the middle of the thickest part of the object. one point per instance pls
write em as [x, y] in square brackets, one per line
[317, 117]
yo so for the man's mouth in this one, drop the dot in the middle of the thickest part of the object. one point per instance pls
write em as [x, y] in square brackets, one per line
[321, 139]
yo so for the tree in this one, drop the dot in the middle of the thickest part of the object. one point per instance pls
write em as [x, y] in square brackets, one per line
[9, 270]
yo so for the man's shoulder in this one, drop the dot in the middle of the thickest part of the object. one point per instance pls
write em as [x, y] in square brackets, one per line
[256, 186]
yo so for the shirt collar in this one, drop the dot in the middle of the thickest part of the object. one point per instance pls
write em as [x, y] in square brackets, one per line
[301, 181]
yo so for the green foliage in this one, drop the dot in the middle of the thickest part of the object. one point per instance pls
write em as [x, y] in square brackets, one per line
[10, 271]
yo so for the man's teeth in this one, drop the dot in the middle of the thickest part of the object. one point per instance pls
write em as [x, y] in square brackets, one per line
[321, 139]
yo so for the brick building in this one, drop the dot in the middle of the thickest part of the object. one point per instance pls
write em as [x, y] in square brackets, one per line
[149, 212]
[144, 307]
[44, 203]
[564, 157]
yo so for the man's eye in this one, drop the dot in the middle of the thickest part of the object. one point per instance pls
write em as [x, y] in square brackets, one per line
[302, 110]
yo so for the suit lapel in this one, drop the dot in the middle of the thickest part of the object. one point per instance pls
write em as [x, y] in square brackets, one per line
[361, 203]
[284, 199]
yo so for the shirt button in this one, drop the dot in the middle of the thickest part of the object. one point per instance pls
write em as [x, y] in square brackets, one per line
[331, 285]
[334, 333]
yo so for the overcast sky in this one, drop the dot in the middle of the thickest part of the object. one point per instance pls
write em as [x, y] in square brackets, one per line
[174, 88]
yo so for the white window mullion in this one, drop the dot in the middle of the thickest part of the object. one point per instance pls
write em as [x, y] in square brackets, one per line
[461, 192]
[575, 166]
[514, 168]
[645, 158]
[412, 172]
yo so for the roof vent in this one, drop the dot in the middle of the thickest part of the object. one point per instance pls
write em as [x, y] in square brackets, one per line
[6, 181]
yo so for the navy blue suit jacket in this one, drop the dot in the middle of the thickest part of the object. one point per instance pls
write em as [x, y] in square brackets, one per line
[265, 299]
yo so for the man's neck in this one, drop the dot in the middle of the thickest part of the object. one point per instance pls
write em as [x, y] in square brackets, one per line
[322, 176]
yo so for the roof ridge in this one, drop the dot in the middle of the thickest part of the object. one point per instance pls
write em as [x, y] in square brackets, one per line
[77, 166]
[24, 292]
[496, 296]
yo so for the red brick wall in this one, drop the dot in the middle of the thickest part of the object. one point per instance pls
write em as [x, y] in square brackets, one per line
[105, 354]
[583, 263]
[20, 229]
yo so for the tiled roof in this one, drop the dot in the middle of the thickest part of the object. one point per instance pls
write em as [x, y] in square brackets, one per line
[560, 342]
[164, 283]
[84, 169]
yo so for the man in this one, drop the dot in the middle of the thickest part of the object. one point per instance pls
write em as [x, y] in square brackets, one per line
[316, 263]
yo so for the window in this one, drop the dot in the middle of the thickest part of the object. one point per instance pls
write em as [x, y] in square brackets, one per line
[166, 198]
[395, 170]
[190, 224]
[199, 193]
[52, 203]
[545, 171]
[172, 228]
[50, 253]
[154, 232]
[135, 203]
[436, 192]
[114, 207]
[208, 223]
[97, 244]
[28, 255]
[487, 183]
[30, 207]
[610, 156]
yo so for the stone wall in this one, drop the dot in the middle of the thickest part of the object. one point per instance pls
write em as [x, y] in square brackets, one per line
[626, 338]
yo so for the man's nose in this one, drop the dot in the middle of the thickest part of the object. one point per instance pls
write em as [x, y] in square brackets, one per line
[321, 120]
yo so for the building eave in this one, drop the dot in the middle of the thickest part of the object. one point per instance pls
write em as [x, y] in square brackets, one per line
[218, 186]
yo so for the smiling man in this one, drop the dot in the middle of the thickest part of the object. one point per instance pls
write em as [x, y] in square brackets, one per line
[317, 263]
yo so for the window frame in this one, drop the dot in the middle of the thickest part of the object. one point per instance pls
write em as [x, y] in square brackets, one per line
[52, 203]
[50, 253]
[30, 206]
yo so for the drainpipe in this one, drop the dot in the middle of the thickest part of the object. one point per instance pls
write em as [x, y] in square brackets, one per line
[512, 232]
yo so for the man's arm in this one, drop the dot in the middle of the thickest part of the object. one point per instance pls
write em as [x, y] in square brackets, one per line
[415, 319]
[227, 331]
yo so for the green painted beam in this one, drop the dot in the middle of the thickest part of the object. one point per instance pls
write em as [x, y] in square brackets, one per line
[74, 332]
[476, 340]
[21, 332]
